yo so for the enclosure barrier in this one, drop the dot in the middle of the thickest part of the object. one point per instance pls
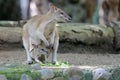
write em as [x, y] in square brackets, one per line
[37, 72]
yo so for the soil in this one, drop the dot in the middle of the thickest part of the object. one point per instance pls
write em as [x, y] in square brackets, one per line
[75, 54]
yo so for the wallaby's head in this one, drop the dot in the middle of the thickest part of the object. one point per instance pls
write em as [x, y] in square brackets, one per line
[58, 14]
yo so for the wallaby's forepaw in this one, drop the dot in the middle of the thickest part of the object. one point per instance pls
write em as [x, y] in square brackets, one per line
[50, 46]
[47, 44]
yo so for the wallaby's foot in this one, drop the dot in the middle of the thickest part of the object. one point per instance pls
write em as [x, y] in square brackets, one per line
[28, 62]
[54, 62]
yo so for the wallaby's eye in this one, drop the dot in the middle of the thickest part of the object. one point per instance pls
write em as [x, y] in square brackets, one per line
[61, 13]
[43, 49]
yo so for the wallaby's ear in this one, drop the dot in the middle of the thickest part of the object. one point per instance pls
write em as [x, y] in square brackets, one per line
[52, 7]
[35, 46]
[31, 48]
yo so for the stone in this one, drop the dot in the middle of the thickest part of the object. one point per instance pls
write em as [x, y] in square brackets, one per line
[87, 75]
[59, 78]
[25, 77]
[2, 68]
[75, 78]
[3, 77]
[46, 73]
[36, 66]
[73, 73]
[115, 74]
[100, 74]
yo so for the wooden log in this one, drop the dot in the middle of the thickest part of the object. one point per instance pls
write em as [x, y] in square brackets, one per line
[85, 33]
[19, 23]
[10, 34]
[72, 32]
[8, 23]
[116, 41]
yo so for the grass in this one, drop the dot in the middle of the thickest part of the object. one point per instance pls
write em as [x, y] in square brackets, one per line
[58, 64]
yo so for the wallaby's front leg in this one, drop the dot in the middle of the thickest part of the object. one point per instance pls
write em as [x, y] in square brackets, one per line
[42, 37]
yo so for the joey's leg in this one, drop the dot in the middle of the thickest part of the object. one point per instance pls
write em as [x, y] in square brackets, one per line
[46, 58]
[37, 60]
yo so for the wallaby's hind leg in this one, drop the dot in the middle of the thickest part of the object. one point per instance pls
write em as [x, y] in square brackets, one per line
[25, 39]
[55, 48]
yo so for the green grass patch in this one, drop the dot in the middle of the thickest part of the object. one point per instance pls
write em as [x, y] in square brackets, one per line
[58, 64]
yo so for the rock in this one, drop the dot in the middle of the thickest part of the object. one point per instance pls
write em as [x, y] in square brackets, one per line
[25, 77]
[100, 74]
[59, 78]
[87, 75]
[75, 78]
[3, 77]
[36, 66]
[115, 74]
[73, 73]
[46, 74]
[2, 68]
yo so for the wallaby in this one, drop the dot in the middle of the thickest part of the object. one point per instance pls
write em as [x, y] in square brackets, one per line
[42, 28]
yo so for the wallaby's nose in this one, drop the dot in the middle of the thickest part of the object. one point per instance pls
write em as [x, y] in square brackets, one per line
[69, 19]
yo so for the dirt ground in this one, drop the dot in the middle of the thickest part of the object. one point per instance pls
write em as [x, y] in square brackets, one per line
[76, 55]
